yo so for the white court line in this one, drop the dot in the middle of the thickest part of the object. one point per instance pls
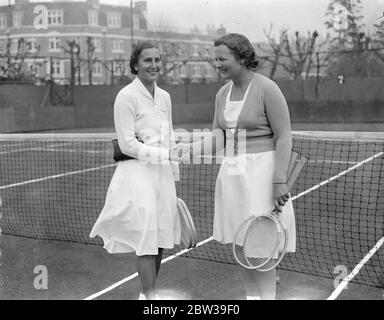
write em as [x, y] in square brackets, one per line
[15, 144]
[33, 149]
[332, 161]
[115, 285]
[55, 176]
[75, 151]
[21, 150]
[209, 239]
[359, 164]
[355, 271]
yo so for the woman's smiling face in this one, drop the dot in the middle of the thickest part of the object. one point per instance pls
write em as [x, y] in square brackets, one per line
[149, 65]
[226, 63]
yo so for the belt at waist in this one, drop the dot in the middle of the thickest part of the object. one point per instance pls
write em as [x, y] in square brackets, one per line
[235, 145]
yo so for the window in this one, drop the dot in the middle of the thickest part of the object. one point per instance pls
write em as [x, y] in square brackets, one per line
[17, 18]
[3, 20]
[196, 71]
[136, 21]
[181, 48]
[207, 54]
[57, 68]
[54, 44]
[118, 68]
[117, 45]
[32, 45]
[32, 67]
[55, 17]
[195, 52]
[14, 45]
[93, 18]
[114, 19]
[97, 44]
[96, 68]
[183, 71]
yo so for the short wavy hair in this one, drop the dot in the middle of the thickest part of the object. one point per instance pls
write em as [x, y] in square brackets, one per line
[138, 48]
[240, 47]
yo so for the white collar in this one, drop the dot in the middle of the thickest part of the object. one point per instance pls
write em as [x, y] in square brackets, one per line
[139, 85]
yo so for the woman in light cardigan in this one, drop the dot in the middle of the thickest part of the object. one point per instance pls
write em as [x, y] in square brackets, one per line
[253, 181]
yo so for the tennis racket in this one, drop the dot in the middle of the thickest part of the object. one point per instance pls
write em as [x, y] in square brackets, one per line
[187, 226]
[261, 241]
[283, 243]
[256, 241]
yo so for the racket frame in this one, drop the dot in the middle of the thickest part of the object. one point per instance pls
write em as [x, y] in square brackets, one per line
[250, 221]
[189, 223]
[281, 253]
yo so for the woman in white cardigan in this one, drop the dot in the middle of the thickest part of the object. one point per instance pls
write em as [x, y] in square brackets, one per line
[140, 212]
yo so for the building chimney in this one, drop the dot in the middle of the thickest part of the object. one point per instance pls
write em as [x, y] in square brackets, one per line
[141, 6]
[221, 31]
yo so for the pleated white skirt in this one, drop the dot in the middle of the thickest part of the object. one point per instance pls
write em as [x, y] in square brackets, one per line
[140, 212]
[243, 188]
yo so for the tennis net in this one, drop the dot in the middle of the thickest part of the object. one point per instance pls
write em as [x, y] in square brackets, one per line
[53, 187]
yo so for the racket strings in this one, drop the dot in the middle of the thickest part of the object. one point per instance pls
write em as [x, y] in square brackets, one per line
[283, 242]
[261, 241]
[238, 243]
[257, 241]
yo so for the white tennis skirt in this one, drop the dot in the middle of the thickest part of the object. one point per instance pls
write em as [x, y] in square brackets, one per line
[243, 188]
[140, 213]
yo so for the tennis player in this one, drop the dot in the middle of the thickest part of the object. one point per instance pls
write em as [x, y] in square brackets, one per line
[252, 182]
[140, 213]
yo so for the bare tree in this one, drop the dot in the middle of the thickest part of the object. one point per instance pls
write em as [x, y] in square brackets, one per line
[297, 55]
[274, 51]
[90, 60]
[378, 41]
[13, 65]
[299, 51]
[161, 27]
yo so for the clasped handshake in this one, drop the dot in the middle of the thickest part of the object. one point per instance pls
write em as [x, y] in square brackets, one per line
[180, 153]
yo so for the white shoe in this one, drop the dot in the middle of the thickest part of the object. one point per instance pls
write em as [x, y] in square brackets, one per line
[142, 296]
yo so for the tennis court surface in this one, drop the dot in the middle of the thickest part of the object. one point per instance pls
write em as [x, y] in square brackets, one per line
[53, 188]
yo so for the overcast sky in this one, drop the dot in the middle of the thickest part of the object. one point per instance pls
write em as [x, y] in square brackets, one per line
[249, 17]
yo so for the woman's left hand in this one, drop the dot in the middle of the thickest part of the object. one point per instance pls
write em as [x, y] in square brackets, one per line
[280, 195]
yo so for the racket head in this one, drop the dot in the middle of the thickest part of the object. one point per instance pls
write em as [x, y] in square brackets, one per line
[262, 240]
[275, 261]
[187, 226]
[238, 243]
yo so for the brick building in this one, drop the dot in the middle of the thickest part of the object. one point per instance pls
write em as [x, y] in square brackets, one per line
[101, 37]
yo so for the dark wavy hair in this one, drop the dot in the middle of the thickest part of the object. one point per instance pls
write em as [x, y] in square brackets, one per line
[138, 48]
[240, 47]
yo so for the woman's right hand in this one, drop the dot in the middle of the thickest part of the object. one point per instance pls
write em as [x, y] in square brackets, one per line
[280, 196]
[180, 153]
